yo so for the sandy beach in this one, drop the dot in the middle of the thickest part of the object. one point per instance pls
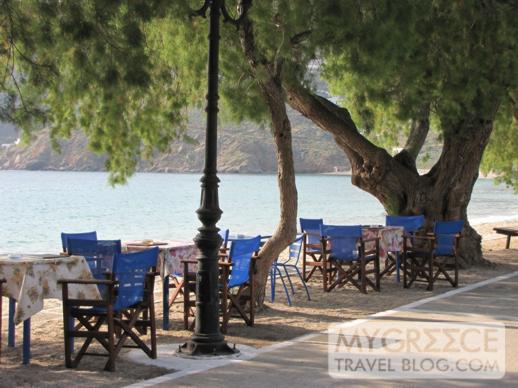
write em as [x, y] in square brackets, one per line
[277, 322]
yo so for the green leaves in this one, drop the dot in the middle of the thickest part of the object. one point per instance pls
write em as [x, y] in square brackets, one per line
[100, 67]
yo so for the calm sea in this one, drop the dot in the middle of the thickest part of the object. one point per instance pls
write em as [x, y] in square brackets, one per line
[36, 206]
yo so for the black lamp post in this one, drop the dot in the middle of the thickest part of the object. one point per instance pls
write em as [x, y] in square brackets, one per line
[207, 338]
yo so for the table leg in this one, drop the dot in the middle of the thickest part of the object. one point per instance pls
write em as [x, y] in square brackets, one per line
[10, 326]
[508, 243]
[398, 267]
[26, 341]
[165, 303]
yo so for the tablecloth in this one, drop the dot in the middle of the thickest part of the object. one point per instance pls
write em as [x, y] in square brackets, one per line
[33, 278]
[391, 238]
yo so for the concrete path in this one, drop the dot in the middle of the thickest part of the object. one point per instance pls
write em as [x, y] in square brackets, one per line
[304, 362]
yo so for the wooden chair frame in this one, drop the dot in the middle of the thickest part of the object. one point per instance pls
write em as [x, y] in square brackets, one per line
[125, 324]
[313, 256]
[421, 265]
[245, 295]
[356, 272]
[318, 261]
[390, 264]
[228, 301]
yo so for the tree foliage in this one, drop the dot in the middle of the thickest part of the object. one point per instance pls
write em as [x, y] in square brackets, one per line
[119, 71]
[125, 71]
[459, 58]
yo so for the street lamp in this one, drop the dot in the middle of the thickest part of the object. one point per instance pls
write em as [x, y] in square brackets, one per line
[207, 338]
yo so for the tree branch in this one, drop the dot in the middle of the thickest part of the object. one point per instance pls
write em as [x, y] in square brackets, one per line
[418, 133]
[334, 119]
[299, 38]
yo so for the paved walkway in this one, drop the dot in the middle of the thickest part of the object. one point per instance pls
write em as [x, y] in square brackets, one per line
[304, 362]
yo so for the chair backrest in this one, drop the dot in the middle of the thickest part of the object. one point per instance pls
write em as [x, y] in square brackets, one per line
[224, 233]
[129, 270]
[295, 249]
[241, 252]
[82, 236]
[446, 235]
[98, 253]
[409, 223]
[312, 226]
[343, 241]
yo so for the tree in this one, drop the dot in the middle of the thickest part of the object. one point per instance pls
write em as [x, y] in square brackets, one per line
[125, 73]
[400, 68]
[403, 67]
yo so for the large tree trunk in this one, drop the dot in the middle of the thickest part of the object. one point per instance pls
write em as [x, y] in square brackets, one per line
[274, 96]
[441, 194]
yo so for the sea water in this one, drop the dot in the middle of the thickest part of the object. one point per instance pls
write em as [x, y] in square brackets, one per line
[36, 206]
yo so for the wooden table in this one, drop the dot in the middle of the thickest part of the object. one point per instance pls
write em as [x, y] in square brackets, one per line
[509, 232]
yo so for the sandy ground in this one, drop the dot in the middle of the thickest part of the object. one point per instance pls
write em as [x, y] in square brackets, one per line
[277, 322]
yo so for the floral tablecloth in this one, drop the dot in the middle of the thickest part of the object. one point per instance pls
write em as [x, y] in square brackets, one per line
[33, 278]
[171, 256]
[391, 238]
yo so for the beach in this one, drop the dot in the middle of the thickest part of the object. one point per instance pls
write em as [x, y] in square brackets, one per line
[275, 323]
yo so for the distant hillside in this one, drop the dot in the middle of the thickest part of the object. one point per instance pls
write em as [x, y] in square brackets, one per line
[243, 148]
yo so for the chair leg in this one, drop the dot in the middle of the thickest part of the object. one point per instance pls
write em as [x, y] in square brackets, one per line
[303, 282]
[272, 282]
[362, 274]
[165, 303]
[304, 264]
[289, 280]
[252, 299]
[284, 285]
[324, 274]
[398, 267]
[456, 271]
[405, 269]
[153, 327]
[68, 326]
[430, 273]
[110, 365]
[377, 273]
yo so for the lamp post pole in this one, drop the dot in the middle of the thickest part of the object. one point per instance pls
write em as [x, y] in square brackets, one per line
[207, 338]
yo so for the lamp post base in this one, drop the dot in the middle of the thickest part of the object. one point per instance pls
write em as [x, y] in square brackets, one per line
[194, 349]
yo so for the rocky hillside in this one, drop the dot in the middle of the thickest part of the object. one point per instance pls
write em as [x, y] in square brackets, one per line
[243, 148]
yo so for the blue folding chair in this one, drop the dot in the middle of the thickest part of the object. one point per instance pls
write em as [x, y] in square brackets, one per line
[427, 257]
[352, 262]
[127, 310]
[288, 265]
[82, 236]
[312, 251]
[239, 289]
[98, 253]
[410, 225]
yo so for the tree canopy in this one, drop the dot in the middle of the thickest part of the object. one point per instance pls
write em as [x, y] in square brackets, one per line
[122, 72]
[126, 71]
